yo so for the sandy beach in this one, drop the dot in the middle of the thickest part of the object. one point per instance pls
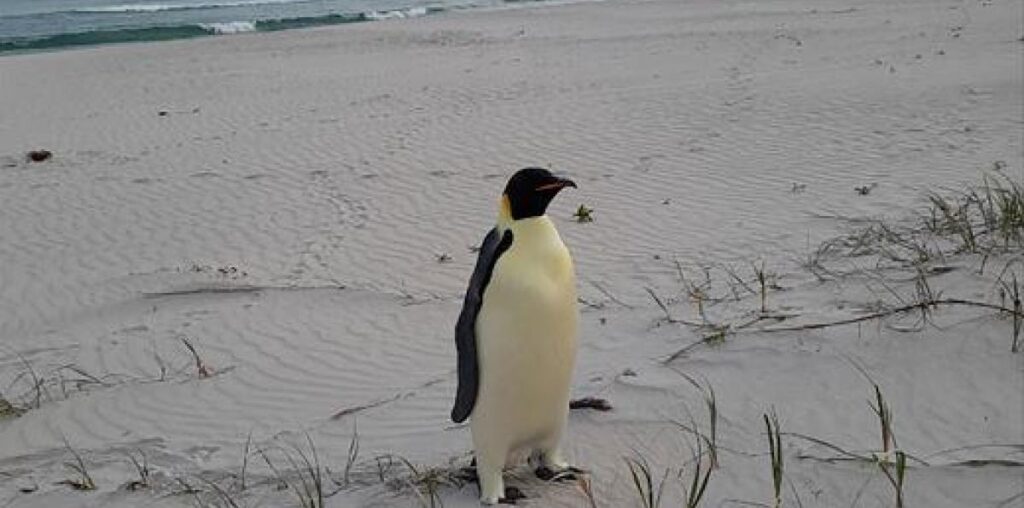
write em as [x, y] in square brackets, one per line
[300, 207]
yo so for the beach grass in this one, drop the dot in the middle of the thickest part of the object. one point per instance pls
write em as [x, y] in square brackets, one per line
[81, 480]
[306, 480]
[774, 432]
[701, 474]
[141, 466]
[227, 500]
[648, 490]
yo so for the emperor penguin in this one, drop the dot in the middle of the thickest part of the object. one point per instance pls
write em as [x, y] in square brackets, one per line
[516, 337]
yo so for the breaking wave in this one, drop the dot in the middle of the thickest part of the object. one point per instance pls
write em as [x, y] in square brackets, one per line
[231, 27]
[179, 6]
[185, 31]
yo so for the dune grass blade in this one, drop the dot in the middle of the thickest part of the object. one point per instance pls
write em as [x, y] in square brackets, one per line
[881, 409]
[896, 473]
[1012, 290]
[700, 478]
[245, 461]
[712, 403]
[353, 452]
[771, 422]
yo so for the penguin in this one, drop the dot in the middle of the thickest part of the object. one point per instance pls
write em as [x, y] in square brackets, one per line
[516, 337]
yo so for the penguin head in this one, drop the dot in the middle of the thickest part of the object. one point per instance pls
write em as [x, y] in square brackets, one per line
[530, 190]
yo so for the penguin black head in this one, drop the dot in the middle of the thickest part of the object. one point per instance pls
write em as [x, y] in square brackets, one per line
[530, 190]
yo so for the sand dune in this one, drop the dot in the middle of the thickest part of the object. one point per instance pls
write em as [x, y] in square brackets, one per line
[301, 205]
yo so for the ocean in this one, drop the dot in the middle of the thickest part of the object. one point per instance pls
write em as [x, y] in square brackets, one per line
[27, 25]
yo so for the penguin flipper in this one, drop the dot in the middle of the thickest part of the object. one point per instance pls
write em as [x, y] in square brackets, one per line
[465, 330]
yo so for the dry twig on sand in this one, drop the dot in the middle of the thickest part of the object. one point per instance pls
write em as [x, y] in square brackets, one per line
[202, 369]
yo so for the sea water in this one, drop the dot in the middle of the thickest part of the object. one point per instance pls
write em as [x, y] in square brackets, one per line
[49, 24]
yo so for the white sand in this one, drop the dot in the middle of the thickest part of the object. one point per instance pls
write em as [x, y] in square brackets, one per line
[333, 166]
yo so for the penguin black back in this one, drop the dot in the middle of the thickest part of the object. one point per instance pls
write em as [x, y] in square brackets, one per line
[465, 330]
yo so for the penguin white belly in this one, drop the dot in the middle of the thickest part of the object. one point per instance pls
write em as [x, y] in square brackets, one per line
[526, 336]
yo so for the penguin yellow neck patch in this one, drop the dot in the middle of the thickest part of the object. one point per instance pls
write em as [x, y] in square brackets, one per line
[504, 213]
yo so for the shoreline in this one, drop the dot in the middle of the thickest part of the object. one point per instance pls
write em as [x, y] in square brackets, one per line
[99, 37]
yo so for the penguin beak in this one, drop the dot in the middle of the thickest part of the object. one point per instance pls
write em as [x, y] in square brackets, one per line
[557, 185]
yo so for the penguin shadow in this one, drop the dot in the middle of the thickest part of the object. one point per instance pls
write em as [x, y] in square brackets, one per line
[514, 494]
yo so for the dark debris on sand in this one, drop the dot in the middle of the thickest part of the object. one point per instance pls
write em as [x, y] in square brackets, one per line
[591, 403]
[39, 155]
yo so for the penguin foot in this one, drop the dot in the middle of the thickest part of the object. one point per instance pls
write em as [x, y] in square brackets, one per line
[512, 494]
[567, 474]
[468, 475]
